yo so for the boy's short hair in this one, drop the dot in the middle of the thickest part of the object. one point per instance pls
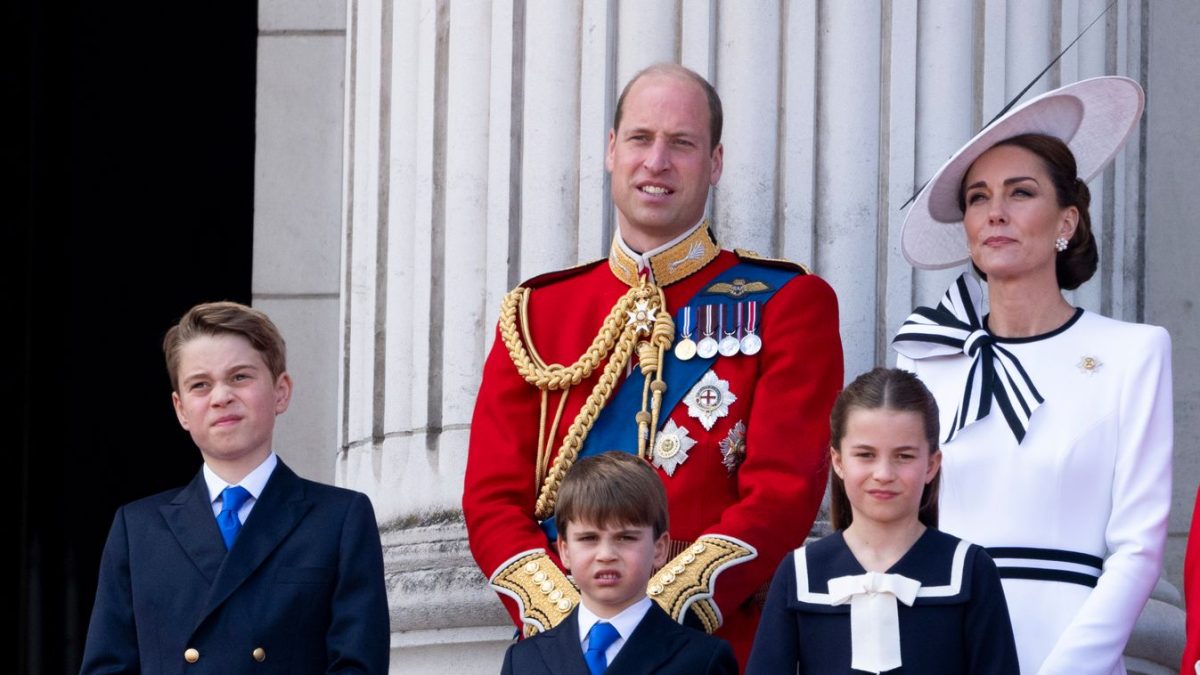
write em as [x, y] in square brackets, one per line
[612, 488]
[226, 318]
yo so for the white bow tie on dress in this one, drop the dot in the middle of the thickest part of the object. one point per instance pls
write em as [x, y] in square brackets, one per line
[874, 624]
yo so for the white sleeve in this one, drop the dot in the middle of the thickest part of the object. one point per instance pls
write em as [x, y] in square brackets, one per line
[1137, 527]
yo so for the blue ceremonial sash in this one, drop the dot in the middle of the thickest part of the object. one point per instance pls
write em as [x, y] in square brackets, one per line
[616, 426]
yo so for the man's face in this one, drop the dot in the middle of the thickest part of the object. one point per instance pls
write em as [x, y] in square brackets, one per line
[227, 399]
[611, 564]
[660, 159]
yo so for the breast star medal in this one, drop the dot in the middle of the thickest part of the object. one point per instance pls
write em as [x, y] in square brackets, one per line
[671, 447]
[685, 349]
[1088, 365]
[733, 447]
[709, 400]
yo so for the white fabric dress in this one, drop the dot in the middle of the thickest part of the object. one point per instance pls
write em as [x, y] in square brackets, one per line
[1092, 477]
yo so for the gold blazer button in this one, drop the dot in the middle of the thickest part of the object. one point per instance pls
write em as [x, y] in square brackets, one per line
[259, 654]
[191, 655]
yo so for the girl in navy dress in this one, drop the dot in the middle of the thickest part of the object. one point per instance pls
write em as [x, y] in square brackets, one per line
[886, 592]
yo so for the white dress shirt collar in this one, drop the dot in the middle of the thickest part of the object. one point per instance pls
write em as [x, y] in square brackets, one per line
[625, 623]
[254, 482]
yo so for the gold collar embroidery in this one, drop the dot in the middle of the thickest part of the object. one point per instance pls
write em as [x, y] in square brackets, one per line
[678, 262]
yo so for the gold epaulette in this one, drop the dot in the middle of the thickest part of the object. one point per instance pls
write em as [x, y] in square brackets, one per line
[687, 581]
[544, 595]
[753, 256]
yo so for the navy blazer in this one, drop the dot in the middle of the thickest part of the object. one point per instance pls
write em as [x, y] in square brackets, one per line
[658, 645]
[301, 591]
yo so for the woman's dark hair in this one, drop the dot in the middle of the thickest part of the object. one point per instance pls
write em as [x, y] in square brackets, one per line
[1077, 264]
[887, 389]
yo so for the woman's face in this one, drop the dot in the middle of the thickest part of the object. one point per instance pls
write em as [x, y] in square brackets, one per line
[1012, 215]
[885, 464]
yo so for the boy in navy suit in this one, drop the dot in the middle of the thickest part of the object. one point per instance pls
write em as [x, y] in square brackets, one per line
[249, 568]
[612, 535]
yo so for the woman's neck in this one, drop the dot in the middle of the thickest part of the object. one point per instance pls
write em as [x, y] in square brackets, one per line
[1024, 307]
[879, 546]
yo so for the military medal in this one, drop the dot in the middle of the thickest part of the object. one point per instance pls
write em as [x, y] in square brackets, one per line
[729, 344]
[707, 347]
[685, 349]
[751, 343]
[641, 317]
[671, 447]
[709, 400]
[733, 447]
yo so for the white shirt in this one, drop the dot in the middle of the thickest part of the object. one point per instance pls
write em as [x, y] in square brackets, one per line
[625, 623]
[254, 482]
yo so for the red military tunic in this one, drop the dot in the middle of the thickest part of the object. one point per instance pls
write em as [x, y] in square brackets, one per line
[784, 395]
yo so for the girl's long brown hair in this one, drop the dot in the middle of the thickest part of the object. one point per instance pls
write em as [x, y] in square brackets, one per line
[887, 389]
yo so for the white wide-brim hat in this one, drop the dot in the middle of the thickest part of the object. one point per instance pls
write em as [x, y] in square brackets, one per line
[1093, 117]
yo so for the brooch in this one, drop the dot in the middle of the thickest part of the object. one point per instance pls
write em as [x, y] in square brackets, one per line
[1088, 365]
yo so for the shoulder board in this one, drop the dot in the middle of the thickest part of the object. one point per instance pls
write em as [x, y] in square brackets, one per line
[558, 275]
[746, 255]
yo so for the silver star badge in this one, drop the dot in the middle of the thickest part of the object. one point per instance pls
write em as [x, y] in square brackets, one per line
[709, 400]
[642, 316]
[671, 447]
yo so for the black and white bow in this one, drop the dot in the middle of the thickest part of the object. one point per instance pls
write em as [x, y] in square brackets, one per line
[954, 326]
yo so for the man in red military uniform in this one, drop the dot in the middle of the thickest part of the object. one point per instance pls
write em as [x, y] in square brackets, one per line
[720, 368]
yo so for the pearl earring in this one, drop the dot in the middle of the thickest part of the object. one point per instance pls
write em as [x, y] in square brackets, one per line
[1060, 244]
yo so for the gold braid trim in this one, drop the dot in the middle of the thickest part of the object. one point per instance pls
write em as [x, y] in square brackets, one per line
[618, 337]
[546, 596]
[554, 376]
[687, 581]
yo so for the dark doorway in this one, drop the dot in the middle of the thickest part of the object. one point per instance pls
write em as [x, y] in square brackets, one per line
[135, 150]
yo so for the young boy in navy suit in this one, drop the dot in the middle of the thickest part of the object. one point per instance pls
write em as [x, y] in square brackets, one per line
[611, 513]
[249, 568]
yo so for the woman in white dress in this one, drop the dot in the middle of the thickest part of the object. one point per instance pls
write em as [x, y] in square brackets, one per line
[1058, 454]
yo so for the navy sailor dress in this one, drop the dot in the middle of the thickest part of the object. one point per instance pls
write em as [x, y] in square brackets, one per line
[958, 621]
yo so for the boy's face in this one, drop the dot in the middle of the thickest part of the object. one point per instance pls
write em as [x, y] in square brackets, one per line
[228, 400]
[611, 564]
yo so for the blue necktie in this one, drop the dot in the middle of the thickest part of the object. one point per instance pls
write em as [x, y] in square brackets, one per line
[600, 638]
[232, 499]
